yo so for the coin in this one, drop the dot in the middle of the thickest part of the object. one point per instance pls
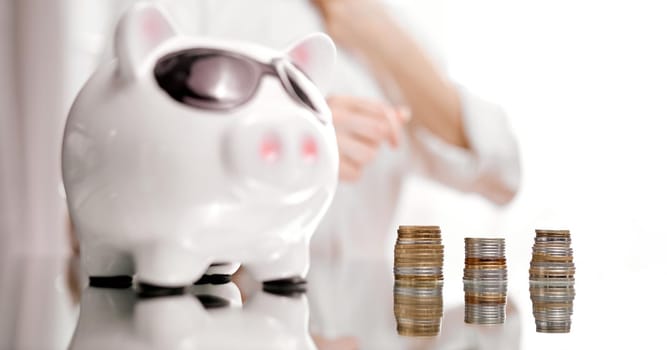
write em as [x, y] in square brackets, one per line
[485, 281]
[551, 280]
[418, 280]
[552, 233]
[406, 228]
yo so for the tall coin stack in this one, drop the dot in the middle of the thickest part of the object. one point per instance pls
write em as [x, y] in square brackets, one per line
[552, 281]
[485, 281]
[418, 279]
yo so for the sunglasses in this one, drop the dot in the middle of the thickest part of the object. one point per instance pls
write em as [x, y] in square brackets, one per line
[222, 80]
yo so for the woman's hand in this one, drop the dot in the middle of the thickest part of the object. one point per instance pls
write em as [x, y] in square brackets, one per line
[362, 126]
[341, 343]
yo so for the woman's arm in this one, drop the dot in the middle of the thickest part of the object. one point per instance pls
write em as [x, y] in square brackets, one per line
[460, 140]
[365, 28]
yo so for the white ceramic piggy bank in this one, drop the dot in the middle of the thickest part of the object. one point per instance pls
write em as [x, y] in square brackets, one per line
[184, 153]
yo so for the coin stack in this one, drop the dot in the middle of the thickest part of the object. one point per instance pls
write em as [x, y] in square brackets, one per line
[552, 281]
[485, 281]
[418, 256]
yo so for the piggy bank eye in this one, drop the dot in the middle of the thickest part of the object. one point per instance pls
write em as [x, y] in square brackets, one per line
[207, 79]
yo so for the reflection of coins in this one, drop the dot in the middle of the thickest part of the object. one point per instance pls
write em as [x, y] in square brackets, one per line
[485, 281]
[418, 271]
[410, 328]
[552, 281]
[418, 280]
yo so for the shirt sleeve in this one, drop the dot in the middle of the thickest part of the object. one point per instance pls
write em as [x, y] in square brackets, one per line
[490, 167]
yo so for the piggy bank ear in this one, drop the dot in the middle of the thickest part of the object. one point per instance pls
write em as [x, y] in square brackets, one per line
[315, 55]
[141, 29]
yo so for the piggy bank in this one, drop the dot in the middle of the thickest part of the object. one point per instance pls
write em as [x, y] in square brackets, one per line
[187, 154]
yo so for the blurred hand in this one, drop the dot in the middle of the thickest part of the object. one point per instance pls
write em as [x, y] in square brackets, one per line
[342, 343]
[355, 24]
[362, 126]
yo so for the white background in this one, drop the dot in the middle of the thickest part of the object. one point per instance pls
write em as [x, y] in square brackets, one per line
[585, 85]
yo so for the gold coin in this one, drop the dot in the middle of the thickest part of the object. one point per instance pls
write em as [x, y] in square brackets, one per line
[418, 264]
[418, 300]
[421, 257]
[471, 298]
[552, 233]
[417, 228]
[419, 248]
[417, 234]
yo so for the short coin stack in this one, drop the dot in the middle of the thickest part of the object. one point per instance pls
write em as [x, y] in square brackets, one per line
[552, 281]
[485, 281]
[418, 257]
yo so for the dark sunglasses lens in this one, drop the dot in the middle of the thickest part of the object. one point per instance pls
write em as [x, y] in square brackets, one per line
[303, 89]
[207, 79]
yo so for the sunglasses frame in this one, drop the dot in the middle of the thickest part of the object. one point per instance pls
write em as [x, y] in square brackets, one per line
[289, 75]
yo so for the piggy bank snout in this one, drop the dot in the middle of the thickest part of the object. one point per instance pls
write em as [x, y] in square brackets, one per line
[289, 154]
[271, 149]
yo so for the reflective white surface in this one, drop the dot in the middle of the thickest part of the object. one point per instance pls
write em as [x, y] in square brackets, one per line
[348, 305]
[118, 319]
